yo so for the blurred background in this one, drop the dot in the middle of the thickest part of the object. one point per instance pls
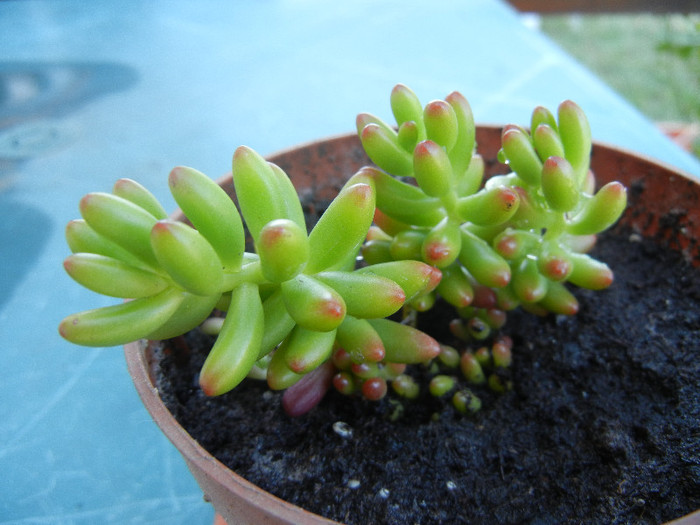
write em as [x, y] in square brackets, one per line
[648, 51]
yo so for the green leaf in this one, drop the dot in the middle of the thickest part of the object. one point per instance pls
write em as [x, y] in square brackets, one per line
[360, 340]
[121, 323]
[122, 222]
[547, 142]
[528, 283]
[403, 343]
[238, 345]
[278, 322]
[601, 211]
[521, 155]
[385, 151]
[461, 153]
[404, 202]
[560, 185]
[304, 350]
[264, 192]
[442, 244]
[483, 262]
[187, 257]
[312, 304]
[212, 212]
[455, 287]
[432, 169]
[341, 229]
[284, 250]
[133, 191]
[366, 295]
[490, 206]
[575, 133]
[406, 106]
[113, 277]
[414, 277]
[441, 124]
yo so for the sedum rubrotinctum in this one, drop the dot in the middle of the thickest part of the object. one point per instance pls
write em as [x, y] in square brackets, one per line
[300, 310]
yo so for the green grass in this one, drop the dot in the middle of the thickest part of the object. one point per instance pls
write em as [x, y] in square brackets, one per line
[624, 51]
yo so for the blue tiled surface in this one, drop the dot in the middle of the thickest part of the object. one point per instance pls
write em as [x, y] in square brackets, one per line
[94, 91]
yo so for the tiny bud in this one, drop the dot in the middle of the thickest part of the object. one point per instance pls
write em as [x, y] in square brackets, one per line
[344, 383]
[341, 359]
[483, 355]
[493, 317]
[449, 356]
[374, 388]
[441, 385]
[424, 302]
[405, 386]
[499, 384]
[407, 245]
[364, 370]
[472, 369]
[466, 402]
[478, 329]
[502, 356]
[393, 370]
[484, 297]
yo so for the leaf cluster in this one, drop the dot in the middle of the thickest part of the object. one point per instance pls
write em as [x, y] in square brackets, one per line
[298, 310]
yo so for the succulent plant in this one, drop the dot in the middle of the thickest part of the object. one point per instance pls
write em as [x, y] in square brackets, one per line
[297, 293]
[300, 311]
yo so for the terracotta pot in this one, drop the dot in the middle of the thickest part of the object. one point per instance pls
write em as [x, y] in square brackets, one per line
[663, 203]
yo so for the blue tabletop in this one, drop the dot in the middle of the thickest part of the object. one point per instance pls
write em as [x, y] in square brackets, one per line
[94, 91]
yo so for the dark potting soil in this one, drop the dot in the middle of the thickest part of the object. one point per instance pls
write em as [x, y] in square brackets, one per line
[602, 424]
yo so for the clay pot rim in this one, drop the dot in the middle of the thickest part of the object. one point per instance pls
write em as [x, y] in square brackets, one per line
[139, 368]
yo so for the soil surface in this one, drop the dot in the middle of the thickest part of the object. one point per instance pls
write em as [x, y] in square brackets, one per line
[601, 426]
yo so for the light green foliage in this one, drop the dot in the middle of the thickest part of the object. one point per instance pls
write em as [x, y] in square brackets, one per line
[424, 221]
[293, 295]
[518, 233]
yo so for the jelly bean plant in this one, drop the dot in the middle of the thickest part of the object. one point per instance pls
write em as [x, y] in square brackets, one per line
[337, 304]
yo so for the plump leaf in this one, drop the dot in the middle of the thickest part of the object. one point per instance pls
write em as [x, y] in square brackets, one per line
[283, 248]
[601, 211]
[238, 345]
[122, 222]
[403, 343]
[121, 323]
[113, 277]
[212, 212]
[483, 262]
[559, 184]
[414, 277]
[441, 124]
[264, 192]
[382, 146]
[304, 350]
[442, 244]
[432, 168]
[341, 229]
[133, 191]
[187, 257]
[360, 340]
[313, 304]
[365, 294]
[521, 155]
[490, 206]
